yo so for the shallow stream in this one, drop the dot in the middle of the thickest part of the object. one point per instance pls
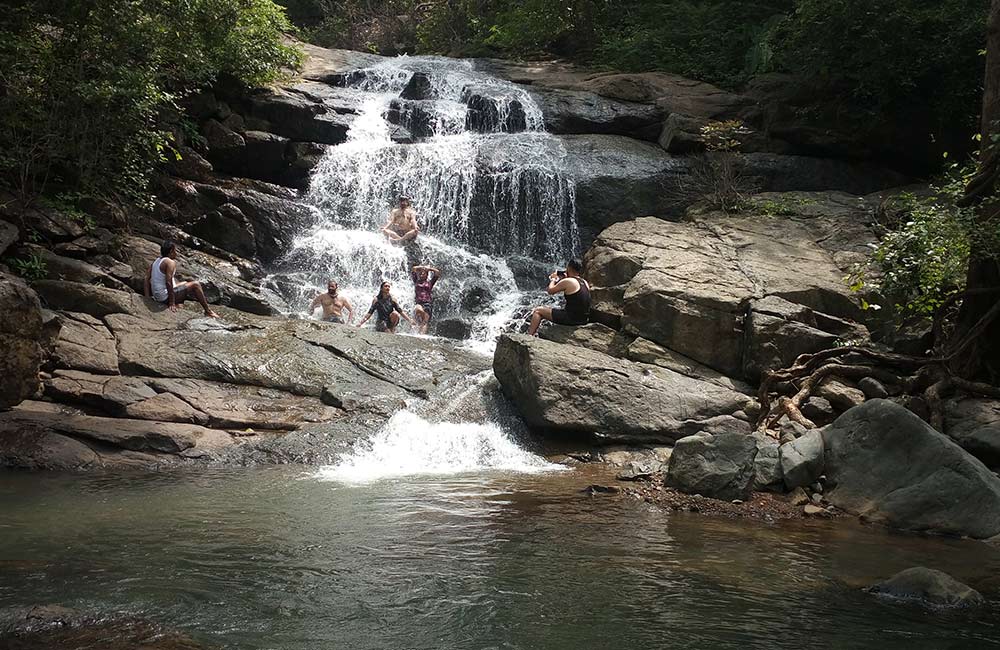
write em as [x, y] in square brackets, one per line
[296, 559]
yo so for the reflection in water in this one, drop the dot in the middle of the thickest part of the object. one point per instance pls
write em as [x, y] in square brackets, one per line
[274, 558]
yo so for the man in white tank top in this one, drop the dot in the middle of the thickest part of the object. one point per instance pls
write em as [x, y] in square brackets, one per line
[161, 287]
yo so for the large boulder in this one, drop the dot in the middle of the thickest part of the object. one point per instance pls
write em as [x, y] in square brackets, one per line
[567, 388]
[688, 287]
[802, 459]
[974, 423]
[20, 331]
[718, 467]
[887, 465]
[930, 587]
[84, 343]
[569, 111]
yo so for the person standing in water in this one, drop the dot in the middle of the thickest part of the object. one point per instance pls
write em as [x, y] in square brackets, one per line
[577, 294]
[424, 279]
[333, 305]
[402, 226]
[388, 311]
[161, 286]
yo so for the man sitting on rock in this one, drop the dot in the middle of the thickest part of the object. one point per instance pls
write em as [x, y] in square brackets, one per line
[161, 287]
[402, 226]
[333, 305]
[577, 294]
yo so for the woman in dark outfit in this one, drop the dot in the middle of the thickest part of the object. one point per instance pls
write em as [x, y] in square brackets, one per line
[387, 310]
[577, 294]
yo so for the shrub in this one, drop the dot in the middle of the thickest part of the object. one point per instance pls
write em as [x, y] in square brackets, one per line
[84, 84]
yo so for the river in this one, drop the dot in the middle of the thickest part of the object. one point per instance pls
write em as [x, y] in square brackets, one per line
[289, 558]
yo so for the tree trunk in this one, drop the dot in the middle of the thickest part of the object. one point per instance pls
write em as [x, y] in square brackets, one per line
[982, 361]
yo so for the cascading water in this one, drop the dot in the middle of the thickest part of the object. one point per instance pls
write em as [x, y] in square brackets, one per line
[488, 186]
[485, 179]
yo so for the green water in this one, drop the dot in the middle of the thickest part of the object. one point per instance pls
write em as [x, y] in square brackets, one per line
[276, 559]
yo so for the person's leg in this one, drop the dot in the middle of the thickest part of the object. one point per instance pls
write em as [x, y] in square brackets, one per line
[539, 314]
[410, 236]
[195, 289]
[393, 321]
[421, 317]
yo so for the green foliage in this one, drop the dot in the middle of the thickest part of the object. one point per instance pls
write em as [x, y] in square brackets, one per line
[30, 268]
[922, 260]
[888, 55]
[776, 206]
[85, 84]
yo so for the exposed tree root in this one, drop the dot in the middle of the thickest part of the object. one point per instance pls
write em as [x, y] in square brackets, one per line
[783, 392]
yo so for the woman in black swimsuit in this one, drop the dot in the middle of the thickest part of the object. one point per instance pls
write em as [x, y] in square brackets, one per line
[577, 293]
[389, 312]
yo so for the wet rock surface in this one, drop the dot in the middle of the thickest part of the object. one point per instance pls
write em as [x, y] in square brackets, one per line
[20, 332]
[928, 587]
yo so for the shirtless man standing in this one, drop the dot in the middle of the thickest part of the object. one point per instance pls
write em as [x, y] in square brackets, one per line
[333, 305]
[402, 226]
[162, 286]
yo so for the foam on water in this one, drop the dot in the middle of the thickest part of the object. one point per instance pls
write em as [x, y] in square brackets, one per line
[409, 445]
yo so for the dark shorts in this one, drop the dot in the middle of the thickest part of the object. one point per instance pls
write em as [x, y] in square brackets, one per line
[382, 325]
[427, 307]
[335, 319]
[563, 317]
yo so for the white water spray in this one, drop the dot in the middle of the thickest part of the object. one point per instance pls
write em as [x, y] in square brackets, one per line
[409, 445]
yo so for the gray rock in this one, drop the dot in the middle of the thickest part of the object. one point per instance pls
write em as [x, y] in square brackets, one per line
[818, 410]
[872, 388]
[802, 461]
[299, 117]
[84, 343]
[645, 351]
[840, 395]
[579, 112]
[564, 388]
[768, 476]
[20, 331]
[718, 467]
[684, 286]
[975, 425]
[930, 587]
[886, 465]
[8, 235]
[592, 336]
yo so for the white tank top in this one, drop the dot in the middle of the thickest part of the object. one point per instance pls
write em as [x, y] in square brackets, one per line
[158, 282]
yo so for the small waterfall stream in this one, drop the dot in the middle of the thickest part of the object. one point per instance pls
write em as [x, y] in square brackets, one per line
[486, 181]
[488, 185]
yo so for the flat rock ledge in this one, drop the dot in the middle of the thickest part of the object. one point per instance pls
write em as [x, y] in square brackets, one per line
[128, 383]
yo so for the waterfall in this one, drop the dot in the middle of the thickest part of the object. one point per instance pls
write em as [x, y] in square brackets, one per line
[486, 181]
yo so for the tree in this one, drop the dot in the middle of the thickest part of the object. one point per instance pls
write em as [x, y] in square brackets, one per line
[979, 317]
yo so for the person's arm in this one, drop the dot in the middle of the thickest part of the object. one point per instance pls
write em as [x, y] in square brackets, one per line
[169, 275]
[315, 303]
[148, 284]
[388, 231]
[556, 285]
[437, 274]
[368, 315]
[346, 304]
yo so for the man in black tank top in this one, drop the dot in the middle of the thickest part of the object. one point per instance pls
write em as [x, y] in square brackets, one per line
[577, 293]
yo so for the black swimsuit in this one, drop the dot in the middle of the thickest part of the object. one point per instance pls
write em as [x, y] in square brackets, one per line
[577, 310]
[384, 307]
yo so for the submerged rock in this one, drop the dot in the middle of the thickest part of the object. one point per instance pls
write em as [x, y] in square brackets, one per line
[572, 389]
[886, 465]
[55, 627]
[928, 586]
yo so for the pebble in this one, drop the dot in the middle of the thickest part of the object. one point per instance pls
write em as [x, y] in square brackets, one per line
[817, 498]
[817, 487]
[737, 502]
[811, 510]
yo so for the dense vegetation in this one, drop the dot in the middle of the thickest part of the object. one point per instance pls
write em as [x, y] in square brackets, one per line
[868, 61]
[87, 89]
